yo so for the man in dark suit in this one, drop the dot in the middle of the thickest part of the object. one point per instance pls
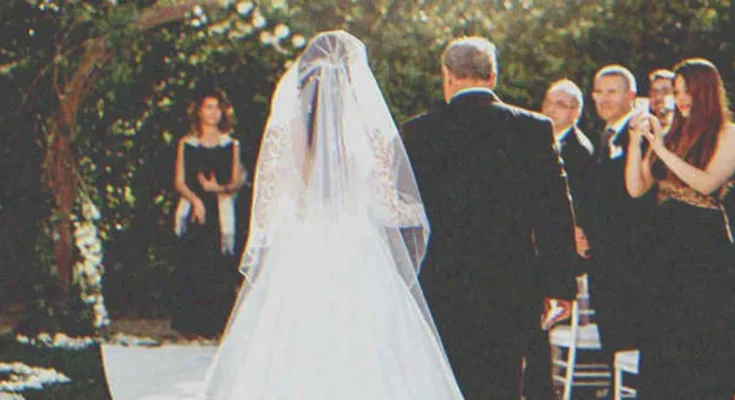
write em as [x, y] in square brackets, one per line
[616, 222]
[563, 104]
[502, 227]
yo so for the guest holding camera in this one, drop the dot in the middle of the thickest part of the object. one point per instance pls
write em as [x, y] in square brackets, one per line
[689, 348]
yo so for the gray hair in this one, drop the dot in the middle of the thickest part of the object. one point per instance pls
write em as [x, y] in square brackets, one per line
[661, 73]
[570, 88]
[619, 70]
[471, 57]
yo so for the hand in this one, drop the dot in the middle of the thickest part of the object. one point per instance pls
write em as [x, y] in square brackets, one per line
[656, 138]
[198, 212]
[581, 243]
[639, 126]
[555, 310]
[209, 183]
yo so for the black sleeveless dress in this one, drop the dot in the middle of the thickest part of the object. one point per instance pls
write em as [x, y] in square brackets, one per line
[206, 278]
[690, 348]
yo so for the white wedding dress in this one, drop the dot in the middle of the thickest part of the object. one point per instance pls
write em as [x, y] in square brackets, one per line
[332, 309]
[340, 326]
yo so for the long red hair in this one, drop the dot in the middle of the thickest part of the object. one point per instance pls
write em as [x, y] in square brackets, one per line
[695, 139]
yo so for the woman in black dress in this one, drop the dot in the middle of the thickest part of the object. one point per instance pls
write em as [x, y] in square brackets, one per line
[689, 351]
[208, 175]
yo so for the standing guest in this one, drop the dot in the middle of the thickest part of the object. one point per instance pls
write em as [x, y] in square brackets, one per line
[661, 95]
[689, 351]
[207, 175]
[563, 104]
[497, 196]
[616, 224]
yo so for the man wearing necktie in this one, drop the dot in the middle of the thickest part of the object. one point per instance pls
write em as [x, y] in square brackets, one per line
[563, 104]
[604, 144]
[616, 222]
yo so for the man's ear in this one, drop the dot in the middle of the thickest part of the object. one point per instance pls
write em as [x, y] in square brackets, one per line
[577, 116]
[448, 75]
[448, 79]
[492, 81]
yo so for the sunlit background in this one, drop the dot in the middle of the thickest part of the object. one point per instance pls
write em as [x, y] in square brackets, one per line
[94, 95]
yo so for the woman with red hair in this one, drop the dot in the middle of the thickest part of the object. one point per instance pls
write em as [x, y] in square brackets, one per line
[689, 353]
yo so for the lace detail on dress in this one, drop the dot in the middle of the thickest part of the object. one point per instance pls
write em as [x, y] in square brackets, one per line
[727, 209]
[727, 188]
[393, 209]
[670, 189]
[272, 150]
[265, 197]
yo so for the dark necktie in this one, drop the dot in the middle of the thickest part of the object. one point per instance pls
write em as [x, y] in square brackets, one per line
[604, 145]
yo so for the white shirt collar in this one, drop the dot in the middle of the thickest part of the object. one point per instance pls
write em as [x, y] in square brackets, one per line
[564, 134]
[224, 140]
[476, 89]
[617, 126]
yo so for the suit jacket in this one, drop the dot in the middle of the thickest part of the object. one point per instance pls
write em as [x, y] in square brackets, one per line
[616, 220]
[502, 237]
[496, 196]
[616, 226]
[577, 152]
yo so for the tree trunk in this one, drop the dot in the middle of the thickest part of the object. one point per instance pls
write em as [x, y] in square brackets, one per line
[59, 167]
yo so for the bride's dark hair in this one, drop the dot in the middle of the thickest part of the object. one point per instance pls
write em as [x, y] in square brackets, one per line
[323, 51]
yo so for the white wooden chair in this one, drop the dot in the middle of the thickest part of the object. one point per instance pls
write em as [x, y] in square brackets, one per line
[625, 362]
[569, 338]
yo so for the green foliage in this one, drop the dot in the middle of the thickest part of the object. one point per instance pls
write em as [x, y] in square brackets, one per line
[84, 367]
[130, 122]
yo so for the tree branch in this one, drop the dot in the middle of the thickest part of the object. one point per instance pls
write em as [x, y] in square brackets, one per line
[60, 169]
[159, 15]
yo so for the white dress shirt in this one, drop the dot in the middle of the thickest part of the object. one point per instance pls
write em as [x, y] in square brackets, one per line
[615, 150]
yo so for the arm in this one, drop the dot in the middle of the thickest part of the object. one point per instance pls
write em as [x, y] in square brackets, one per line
[199, 212]
[266, 171]
[638, 176]
[411, 136]
[238, 178]
[180, 173]
[398, 209]
[183, 188]
[265, 195]
[553, 219]
[579, 165]
[717, 173]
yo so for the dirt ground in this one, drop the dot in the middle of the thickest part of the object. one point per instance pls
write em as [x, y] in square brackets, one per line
[151, 328]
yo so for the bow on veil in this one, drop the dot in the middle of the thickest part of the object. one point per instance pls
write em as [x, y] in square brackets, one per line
[331, 149]
[331, 146]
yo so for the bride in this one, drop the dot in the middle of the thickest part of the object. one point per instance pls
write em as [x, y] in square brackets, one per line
[332, 308]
